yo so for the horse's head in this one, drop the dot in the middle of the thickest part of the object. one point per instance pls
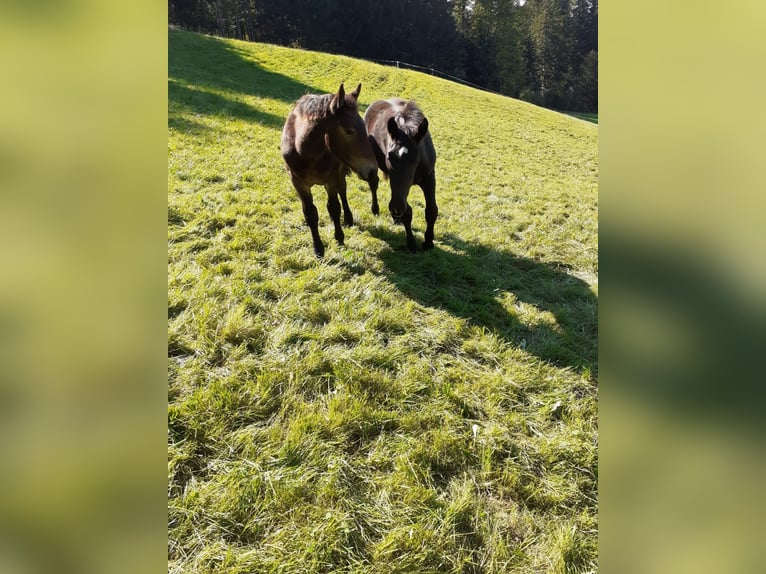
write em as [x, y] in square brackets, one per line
[404, 137]
[346, 136]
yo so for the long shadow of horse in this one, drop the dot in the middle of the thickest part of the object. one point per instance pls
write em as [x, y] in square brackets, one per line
[489, 287]
[219, 66]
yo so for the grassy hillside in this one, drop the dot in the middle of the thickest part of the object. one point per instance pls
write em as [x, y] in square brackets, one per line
[377, 411]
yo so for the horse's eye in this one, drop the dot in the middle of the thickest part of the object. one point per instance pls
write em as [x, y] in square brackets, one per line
[349, 132]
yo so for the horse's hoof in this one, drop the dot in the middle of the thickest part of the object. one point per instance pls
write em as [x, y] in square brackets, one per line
[348, 221]
[428, 246]
[375, 209]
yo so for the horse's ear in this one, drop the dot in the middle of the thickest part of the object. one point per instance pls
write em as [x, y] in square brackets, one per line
[355, 93]
[338, 100]
[422, 130]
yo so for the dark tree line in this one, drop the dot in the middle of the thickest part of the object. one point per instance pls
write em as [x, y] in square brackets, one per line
[542, 51]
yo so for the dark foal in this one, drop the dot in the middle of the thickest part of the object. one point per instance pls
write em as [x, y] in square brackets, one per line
[323, 139]
[398, 132]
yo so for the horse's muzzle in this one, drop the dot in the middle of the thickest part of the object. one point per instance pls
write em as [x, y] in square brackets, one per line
[398, 210]
[396, 215]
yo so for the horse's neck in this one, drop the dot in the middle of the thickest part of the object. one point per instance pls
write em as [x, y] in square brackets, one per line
[311, 141]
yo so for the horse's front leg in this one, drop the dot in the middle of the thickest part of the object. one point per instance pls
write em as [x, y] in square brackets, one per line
[348, 217]
[333, 206]
[432, 210]
[374, 190]
[310, 214]
[407, 222]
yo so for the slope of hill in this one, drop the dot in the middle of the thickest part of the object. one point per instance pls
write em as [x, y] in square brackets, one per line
[377, 411]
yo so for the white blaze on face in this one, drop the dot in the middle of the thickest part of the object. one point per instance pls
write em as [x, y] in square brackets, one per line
[402, 151]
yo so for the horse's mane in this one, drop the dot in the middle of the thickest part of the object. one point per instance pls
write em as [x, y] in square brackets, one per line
[314, 107]
[412, 117]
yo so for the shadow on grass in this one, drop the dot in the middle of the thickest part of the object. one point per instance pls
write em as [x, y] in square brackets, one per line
[218, 66]
[592, 118]
[212, 104]
[470, 280]
[186, 125]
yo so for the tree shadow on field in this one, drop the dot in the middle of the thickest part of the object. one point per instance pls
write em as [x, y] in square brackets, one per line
[212, 104]
[218, 66]
[471, 280]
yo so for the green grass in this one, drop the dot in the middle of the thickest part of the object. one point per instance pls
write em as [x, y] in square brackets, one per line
[377, 411]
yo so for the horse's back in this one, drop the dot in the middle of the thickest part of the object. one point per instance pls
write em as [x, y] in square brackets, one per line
[381, 110]
[374, 112]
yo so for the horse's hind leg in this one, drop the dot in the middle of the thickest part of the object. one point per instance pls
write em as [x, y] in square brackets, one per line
[432, 210]
[311, 215]
[333, 207]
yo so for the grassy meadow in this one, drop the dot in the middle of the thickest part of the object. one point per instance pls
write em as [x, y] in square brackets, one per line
[377, 411]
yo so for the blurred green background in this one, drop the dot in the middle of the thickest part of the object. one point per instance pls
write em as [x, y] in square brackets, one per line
[82, 286]
[682, 311]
